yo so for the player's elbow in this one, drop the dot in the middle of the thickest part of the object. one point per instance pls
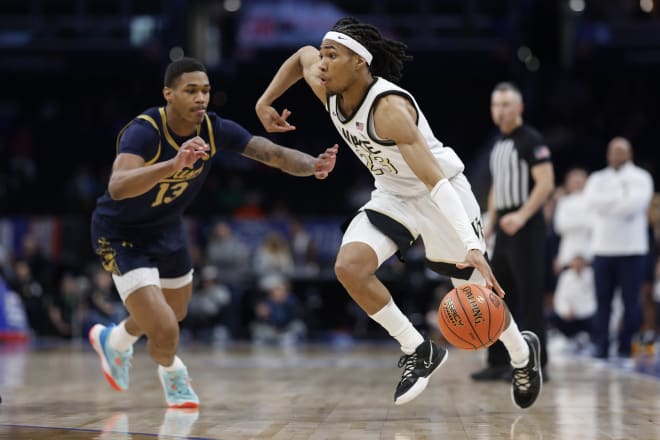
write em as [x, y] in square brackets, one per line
[115, 195]
[115, 191]
[306, 57]
[308, 50]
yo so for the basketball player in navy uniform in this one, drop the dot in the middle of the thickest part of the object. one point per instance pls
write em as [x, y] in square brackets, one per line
[420, 192]
[163, 158]
[523, 179]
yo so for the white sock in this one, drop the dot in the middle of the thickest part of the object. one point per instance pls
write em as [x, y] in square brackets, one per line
[398, 326]
[176, 365]
[516, 345]
[120, 339]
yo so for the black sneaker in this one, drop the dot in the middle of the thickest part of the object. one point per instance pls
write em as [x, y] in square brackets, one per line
[417, 369]
[528, 380]
[493, 373]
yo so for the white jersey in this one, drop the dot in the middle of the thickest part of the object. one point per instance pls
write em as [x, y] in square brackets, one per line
[382, 157]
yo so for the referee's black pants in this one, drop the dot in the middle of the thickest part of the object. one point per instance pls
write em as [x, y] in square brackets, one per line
[518, 264]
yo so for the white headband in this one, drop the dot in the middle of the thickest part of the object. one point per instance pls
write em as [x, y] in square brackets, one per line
[351, 43]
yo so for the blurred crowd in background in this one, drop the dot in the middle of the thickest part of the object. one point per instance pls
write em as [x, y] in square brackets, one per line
[76, 71]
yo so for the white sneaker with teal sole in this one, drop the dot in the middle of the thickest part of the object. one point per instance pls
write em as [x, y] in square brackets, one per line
[178, 391]
[115, 364]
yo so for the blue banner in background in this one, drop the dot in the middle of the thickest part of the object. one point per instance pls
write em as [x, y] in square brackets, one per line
[13, 320]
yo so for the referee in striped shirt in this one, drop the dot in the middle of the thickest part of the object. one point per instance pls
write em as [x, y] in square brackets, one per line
[523, 179]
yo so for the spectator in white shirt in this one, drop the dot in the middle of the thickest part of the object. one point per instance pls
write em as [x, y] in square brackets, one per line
[573, 220]
[574, 298]
[619, 197]
[574, 301]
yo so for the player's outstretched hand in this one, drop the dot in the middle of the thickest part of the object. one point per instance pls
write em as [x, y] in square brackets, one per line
[475, 258]
[190, 151]
[325, 162]
[272, 121]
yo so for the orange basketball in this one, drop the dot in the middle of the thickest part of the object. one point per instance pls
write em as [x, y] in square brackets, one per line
[471, 317]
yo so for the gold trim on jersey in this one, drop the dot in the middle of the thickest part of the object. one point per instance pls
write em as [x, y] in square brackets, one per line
[170, 140]
[151, 120]
[168, 137]
[209, 128]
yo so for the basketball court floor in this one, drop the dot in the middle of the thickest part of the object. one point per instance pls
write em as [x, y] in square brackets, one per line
[318, 392]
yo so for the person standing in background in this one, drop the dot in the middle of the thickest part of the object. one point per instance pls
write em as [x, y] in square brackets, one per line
[573, 220]
[619, 196]
[574, 299]
[522, 180]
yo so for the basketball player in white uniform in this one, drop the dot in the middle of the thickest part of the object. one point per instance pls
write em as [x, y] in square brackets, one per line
[420, 192]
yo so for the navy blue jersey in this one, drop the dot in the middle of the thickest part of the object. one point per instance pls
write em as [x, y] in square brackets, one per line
[148, 136]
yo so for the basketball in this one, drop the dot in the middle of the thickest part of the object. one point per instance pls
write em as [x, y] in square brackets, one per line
[471, 317]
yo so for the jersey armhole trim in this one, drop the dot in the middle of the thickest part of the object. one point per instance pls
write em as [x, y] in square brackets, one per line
[151, 121]
[371, 125]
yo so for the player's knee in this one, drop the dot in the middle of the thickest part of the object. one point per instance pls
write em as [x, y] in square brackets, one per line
[348, 270]
[165, 335]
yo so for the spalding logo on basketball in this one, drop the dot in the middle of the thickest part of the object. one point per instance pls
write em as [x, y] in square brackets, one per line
[471, 317]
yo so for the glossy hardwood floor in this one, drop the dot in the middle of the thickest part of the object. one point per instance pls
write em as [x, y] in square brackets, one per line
[317, 392]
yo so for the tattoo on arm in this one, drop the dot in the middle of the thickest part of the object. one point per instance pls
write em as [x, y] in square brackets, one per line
[261, 149]
[288, 160]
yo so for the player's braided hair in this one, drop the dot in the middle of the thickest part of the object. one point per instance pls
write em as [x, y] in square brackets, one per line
[389, 55]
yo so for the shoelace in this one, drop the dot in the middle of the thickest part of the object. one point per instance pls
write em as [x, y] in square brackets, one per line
[178, 384]
[408, 362]
[521, 379]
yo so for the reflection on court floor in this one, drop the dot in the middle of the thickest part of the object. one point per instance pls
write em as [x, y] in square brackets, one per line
[319, 392]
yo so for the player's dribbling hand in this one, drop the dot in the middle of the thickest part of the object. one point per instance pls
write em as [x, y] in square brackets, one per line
[325, 162]
[475, 258]
[272, 121]
[190, 151]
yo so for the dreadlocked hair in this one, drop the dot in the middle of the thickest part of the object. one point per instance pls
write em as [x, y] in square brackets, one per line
[389, 55]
